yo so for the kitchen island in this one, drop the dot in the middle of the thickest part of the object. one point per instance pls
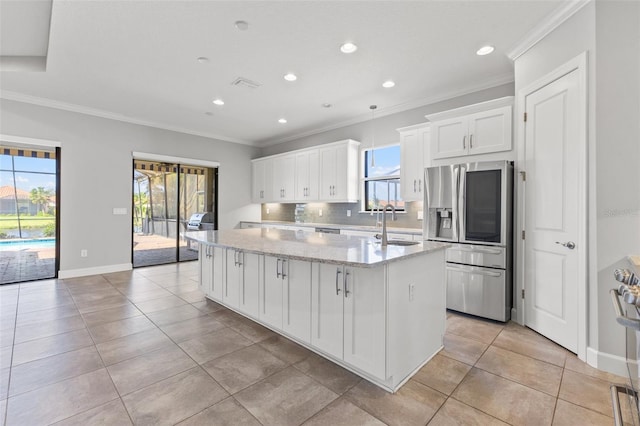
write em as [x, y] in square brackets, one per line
[377, 311]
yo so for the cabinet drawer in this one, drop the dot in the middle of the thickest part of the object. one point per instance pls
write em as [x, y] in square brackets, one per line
[495, 257]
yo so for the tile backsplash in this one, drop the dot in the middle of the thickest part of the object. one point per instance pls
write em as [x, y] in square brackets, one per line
[337, 213]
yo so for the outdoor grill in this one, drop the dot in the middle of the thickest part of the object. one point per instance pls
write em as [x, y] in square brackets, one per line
[201, 222]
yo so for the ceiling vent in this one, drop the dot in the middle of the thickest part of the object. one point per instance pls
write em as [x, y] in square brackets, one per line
[245, 82]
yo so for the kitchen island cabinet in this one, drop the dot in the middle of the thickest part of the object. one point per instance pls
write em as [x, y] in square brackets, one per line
[379, 312]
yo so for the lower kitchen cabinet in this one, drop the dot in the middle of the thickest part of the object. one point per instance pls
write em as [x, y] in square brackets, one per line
[271, 291]
[249, 294]
[348, 315]
[365, 319]
[381, 322]
[211, 262]
[241, 286]
[296, 300]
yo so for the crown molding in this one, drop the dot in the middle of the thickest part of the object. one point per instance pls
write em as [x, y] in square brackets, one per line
[394, 109]
[66, 106]
[544, 27]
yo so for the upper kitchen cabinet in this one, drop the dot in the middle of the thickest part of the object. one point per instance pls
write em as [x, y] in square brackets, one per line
[284, 178]
[262, 170]
[414, 157]
[475, 129]
[307, 175]
[339, 171]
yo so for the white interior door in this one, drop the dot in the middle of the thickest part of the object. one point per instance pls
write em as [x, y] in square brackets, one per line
[553, 212]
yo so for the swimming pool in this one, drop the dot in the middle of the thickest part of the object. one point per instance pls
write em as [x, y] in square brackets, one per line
[16, 245]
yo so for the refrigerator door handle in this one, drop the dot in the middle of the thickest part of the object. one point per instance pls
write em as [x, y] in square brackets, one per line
[460, 209]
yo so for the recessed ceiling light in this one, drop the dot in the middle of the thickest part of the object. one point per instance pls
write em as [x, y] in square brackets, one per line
[326, 105]
[203, 59]
[348, 47]
[388, 84]
[218, 102]
[242, 25]
[290, 77]
[208, 113]
[282, 121]
[485, 50]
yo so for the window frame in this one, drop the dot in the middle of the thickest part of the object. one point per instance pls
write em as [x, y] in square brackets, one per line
[364, 179]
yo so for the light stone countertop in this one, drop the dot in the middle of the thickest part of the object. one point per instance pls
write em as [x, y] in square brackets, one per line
[314, 247]
[412, 231]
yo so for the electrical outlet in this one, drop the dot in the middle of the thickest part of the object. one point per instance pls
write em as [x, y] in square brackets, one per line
[420, 214]
[412, 289]
[84, 253]
[348, 213]
[120, 210]
[267, 210]
[320, 212]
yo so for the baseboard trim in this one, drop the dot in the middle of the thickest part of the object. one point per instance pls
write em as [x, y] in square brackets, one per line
[107, 269]
[607, 362]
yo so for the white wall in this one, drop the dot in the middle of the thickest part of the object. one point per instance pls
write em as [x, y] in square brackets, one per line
[609, 31]
[96, 176]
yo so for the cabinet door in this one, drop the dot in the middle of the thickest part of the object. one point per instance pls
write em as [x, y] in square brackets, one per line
[205, 265]
[283, 178]
[219, 275]
[424, 139]
[249, 287]
[449, 137]
[271, 292]
[490, 131]
[411, 162]
[327, 173]
[302, 175]
[365, 319]
[297, 299]
[231, 291]
[313, 186]
[341, 179]
[262, 181]
[327, 308]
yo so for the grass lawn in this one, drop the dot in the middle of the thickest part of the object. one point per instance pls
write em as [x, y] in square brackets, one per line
[27, 222]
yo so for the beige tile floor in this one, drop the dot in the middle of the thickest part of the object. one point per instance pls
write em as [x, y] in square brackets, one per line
[146, 348]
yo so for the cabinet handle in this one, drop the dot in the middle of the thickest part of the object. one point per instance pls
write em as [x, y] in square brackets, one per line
[338, 272]
[282, 274]
[464, 142]
[346, 284]
[470, 141]
[278, 268]
[419, 185]
[240, 258]
[288, 302]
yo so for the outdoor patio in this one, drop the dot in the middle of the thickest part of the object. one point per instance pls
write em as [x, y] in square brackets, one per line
[155, 250]
[27, 264]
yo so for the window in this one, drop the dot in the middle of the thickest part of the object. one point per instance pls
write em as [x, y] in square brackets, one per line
[382, 181]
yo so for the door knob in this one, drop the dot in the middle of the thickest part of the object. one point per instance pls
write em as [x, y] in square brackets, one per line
[570, 245]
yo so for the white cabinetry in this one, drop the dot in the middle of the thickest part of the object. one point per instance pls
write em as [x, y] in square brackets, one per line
[348, 315]
[211, 262]
[296, 299]
[476, 129]
[271, 291]
[339, 172]
[307, 176]
[328, 174]
[284, 178]
[262, 180]
[414, 148]
[240, 289]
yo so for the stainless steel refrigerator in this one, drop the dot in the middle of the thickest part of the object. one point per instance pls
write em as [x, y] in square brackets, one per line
[470, 206]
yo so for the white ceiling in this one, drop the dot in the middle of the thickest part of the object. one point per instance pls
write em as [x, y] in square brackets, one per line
[136, 60]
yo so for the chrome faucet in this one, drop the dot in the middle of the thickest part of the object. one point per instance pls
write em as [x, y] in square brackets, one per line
[384, 222]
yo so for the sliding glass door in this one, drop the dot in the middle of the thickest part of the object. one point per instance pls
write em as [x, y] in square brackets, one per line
[164, 198]
[28, 213]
